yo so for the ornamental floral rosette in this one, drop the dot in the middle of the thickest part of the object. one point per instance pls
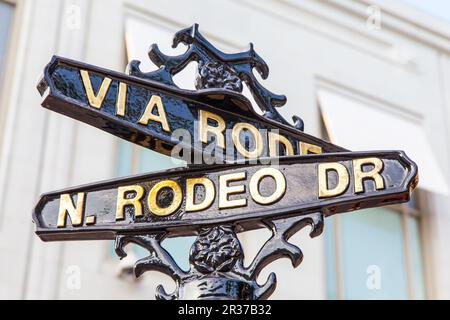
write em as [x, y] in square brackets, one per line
[215, 250]
[214, 74]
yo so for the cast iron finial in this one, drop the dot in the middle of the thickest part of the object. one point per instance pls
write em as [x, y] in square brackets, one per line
[216, 69]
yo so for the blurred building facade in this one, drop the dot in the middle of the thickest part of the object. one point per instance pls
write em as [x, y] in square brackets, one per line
[363, 74]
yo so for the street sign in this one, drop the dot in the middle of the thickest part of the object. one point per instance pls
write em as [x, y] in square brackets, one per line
[183, 201]
[149, 113]
[267, 173]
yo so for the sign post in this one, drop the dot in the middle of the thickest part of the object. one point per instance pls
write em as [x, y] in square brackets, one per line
[245, 170]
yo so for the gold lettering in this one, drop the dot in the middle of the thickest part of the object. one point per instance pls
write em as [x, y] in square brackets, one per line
[121, 99]
[373, 174]
[153, 197]
[218, 130]
[280, 185]
[342, 179]
[225, 190]
[307, 148]
[95, 100]
[256, 152]
[161, 117]
[75, 213]
[134, 201]
[210, 194]
[274, 140]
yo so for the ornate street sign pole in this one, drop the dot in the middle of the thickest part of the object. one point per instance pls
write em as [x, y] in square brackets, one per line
[266, 172]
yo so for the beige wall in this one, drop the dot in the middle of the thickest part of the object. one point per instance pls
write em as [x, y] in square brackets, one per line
[309, 44]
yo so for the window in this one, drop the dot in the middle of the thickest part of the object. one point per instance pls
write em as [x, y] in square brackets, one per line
[6, 15]
[375, 254]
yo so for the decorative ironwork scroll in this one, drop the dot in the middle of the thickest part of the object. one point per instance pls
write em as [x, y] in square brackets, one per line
[216, 261]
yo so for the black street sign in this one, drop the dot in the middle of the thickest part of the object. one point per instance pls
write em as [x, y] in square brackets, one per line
[148, 113]
[181, 202]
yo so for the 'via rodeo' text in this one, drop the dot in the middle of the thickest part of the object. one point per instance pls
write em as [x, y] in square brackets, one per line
[231, 193]
[149, 115]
